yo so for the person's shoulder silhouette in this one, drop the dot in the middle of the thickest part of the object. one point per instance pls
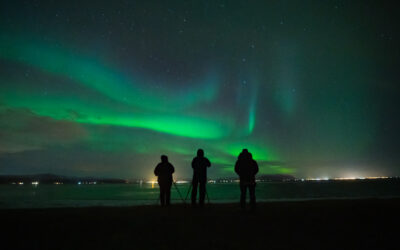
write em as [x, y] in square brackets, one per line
[246, 165]
[200, 161]
[164, 169]
[253, 165]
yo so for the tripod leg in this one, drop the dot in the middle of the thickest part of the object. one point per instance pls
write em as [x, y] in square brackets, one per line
[208, 198]
[180, 195]
[189, 189]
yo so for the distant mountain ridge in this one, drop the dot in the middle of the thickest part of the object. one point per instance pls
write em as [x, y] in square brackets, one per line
[48, 178]
[52, 178]
[276, 177]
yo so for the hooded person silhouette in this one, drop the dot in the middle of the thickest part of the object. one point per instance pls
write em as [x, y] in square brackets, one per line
[199, 165]
[247, 168]
[164, 171]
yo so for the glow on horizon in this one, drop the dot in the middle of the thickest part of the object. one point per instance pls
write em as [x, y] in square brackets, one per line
[346, 178]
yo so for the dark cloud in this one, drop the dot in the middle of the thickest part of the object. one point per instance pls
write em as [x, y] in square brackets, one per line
[22, 130]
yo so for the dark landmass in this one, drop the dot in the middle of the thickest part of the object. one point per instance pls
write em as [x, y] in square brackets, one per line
[51, 178]
[263, 178]
[276, 177]
[329, 224]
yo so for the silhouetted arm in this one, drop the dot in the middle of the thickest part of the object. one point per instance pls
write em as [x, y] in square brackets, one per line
[172, 169]
[237, 168]
[193, 163]
[157, 170]
[255, 167]
[208, 163]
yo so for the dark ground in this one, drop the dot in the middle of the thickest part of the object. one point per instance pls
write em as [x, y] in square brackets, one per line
[330, 224]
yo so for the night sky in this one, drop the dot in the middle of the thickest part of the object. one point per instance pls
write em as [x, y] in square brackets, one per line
[103, 88]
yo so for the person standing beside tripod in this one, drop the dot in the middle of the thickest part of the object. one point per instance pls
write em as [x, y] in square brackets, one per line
[199, 165]
[247, 168]
[164, 171]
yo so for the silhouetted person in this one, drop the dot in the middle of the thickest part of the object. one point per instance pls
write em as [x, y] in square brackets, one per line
[164, 171]
[247, 169]
[199, 165]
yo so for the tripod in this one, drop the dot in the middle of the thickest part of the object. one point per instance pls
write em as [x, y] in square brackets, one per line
[190, 188]
[180, 195]
[177, 189]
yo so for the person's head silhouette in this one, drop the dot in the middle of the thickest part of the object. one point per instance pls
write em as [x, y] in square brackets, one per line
[200, 153]
[244, 154]
[164, 158]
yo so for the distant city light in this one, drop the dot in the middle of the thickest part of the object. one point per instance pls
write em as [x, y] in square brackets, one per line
[181, 182]
[152, 183]
[344, 178]
[35, 183]
[81, 182]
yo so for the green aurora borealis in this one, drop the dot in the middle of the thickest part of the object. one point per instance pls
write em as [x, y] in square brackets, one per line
[105, 88]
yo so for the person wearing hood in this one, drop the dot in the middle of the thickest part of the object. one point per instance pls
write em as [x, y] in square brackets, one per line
[247, 168]
[199, 165]
[164, 171]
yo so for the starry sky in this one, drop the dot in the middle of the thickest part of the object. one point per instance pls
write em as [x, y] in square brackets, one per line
[103, 88]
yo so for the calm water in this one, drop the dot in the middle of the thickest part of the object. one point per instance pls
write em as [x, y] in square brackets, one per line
[26, 196]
